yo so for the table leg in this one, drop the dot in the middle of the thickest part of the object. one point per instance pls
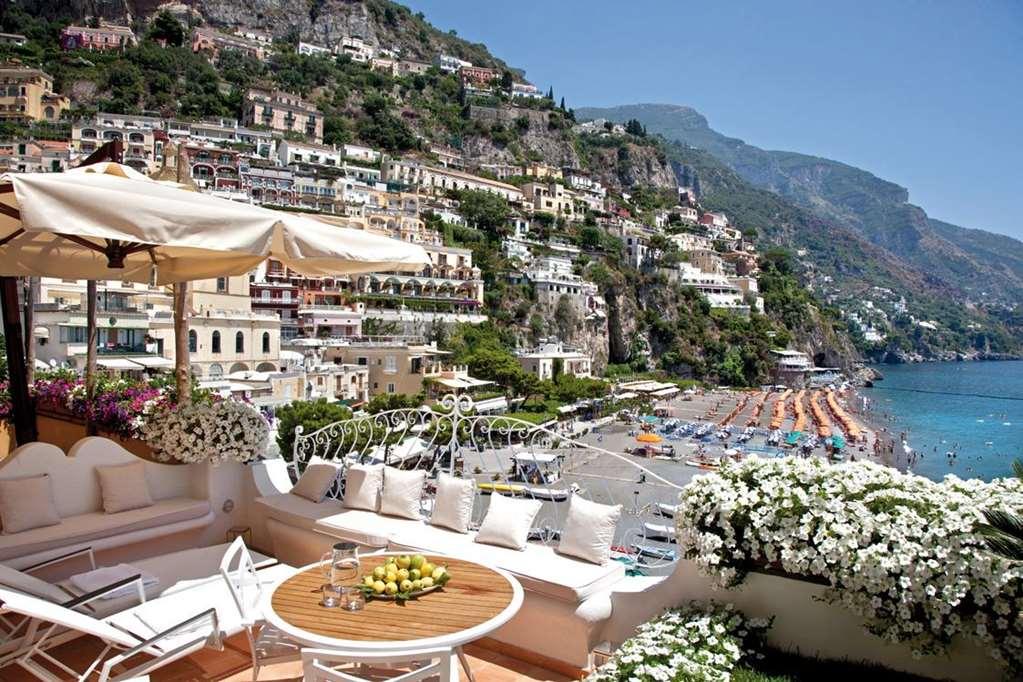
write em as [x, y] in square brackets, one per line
[465, 665]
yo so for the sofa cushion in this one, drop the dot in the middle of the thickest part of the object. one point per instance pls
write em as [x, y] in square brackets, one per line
[27, 503]
[124, 487]
[362, 486]
[316, 480]
[589, 530]
[402, 493]
[538, 568]
[83, 528]
[452, 506]
[294, 510]
[508, 521]
[365, 527]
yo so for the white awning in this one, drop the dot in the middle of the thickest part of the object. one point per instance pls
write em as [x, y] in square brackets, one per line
[627, 395]
[117, 363]
[665, 392]
[151, 361]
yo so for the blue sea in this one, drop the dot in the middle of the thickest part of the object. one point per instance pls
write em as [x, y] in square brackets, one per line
[974, 409]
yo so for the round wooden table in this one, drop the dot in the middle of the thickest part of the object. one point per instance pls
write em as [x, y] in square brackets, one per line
[476, 601]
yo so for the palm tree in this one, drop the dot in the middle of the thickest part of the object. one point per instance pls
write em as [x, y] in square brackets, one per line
[1004, 530]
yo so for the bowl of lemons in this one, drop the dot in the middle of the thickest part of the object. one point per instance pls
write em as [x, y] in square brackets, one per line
[403, 577]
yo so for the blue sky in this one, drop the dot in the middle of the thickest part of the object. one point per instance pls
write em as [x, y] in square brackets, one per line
[928, 94]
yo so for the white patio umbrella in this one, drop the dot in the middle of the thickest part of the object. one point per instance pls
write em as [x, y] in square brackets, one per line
[107, 221]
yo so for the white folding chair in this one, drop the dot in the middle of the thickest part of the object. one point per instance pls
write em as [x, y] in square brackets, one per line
[119, 634]
[324, 665]
[267, 644]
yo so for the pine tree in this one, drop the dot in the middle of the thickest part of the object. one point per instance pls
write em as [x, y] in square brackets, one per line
[550, 93]
[562, 107]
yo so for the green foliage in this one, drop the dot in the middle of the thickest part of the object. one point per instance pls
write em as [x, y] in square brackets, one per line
[394, 401]
[485, 211]
[165, 27]
[311, 415]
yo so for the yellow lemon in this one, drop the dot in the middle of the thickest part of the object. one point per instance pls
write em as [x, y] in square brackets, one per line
[438, 572]
[368, 581]
[427, 582]
[406, 585]
[391, 587]
[379, 586]
[379, 572]
[417, 585]
[415, 574]
[403, 574]
[404, 561]
[427, 568]
[417, 561]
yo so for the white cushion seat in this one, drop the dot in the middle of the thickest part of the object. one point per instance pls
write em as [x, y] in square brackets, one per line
[82, 529]
[539, 568]
[294, 510]
[366, 528]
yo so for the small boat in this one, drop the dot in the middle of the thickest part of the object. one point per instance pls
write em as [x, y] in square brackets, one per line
[702, 464]
[665, 509]
[656, 531]
[654, 552]
[507, 488]
[552, 494]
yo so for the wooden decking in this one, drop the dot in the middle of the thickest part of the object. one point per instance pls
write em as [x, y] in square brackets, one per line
[234, 665]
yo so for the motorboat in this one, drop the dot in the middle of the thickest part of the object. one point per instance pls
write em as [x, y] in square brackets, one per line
[662, 553]
[666, 509]
[655, 531]
[506, 488]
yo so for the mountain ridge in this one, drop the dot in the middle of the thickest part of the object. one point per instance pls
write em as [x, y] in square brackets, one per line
[852, 197]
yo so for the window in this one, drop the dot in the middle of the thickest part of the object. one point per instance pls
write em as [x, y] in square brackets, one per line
[266, 342]
[239, 343]
[193, 341]
[265, 294]
[390, 388]
[390, 364]
[215, 343]
[362, 360]
[221, 285]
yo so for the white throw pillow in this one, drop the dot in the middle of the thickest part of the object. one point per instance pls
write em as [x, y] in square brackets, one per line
[27, 503]
[124, 487]
[403, 492]
[508, 522]
[31, 585]
[589, 530]
[316, 480]
[452, 506]
[362, 486]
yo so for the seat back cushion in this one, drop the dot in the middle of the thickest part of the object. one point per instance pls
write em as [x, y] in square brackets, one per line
[29, 584]
[316, 480]
[507, 522]
[27, 503]
[124, 487]
[589, 529]
[402, 492]
[452, 506]
[362, 486]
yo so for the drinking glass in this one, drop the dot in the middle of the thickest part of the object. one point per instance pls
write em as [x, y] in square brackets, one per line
[331, 595]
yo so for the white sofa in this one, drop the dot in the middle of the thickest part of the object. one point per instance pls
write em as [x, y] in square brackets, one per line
[563, 595]
[175, 520]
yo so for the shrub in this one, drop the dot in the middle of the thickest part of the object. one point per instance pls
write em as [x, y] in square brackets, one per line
[310, 415]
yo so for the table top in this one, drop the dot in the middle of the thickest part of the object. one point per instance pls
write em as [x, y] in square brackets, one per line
[476, 601]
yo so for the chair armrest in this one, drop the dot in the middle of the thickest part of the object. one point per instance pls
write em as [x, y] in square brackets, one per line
[269, 562]
[103, 591]
[162, 657]
[63, 557]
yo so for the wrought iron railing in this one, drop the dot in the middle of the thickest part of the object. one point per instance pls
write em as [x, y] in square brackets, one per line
[510, 456]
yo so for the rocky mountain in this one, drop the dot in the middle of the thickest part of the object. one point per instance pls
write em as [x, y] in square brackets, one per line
[850, 197]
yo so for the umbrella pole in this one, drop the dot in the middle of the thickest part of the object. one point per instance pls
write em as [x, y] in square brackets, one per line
[181, 356]
[22, 409]
[90, 352]
[30, 346]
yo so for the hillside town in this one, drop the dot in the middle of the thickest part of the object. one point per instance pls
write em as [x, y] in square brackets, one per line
[275, 336]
